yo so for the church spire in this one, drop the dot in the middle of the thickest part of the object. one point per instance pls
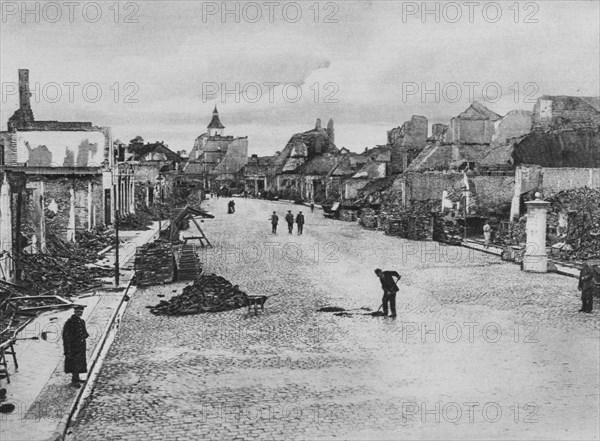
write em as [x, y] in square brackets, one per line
[215, 127]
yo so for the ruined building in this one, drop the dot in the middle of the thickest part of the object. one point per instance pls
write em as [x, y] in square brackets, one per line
[565, 133]
[407, 142]
[309, 152]
[68, 168]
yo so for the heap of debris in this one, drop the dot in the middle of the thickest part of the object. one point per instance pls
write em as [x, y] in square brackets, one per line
[582, 237]
[348, 215]
[208, 293]
[87, 247]
[43, 273]
[414, 222]
[154, 263]
[447, 231]
[368, 218]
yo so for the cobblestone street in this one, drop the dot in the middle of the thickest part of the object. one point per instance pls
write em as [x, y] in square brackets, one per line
[479, 350]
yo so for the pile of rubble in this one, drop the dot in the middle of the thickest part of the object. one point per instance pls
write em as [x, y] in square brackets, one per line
[43, 273]
[414, 222]
[368, 218]
[447, 231]
[154, 263]
[87, 247]
[208, 293]
[582, 237]
[348, 215]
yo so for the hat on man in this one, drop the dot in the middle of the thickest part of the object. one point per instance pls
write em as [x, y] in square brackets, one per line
[79, 307]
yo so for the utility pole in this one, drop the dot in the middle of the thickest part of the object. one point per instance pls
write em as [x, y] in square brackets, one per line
[465, 193]
[117, 247]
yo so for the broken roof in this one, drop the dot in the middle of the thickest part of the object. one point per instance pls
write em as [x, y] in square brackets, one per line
[433, 157]
[319, 165]
[140, 151]
[478, 111]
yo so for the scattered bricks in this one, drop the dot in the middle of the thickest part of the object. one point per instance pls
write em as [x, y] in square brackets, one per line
[154, 263]
[368, 218]
[208, 293]
[68, 276]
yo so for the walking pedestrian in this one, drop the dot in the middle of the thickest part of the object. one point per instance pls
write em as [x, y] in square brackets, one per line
[587, 286]
[312, 207]
[487, 234]
[390, 288]
[289, 218]
[231, 207]
[74, 335]
[274, 222]
[300, 222]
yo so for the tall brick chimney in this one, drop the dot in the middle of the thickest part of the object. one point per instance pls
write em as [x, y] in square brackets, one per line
[24, 93]
[24, 114]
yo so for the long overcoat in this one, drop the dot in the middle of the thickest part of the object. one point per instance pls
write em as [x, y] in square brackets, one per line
[74, 335]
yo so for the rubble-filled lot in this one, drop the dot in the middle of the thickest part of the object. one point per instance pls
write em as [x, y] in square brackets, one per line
[479, 349]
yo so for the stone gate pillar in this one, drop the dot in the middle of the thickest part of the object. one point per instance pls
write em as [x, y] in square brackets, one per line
[535, 258]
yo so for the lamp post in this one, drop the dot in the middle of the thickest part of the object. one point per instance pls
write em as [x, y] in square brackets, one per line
[160, 191]
[117, 205]
[465, 199]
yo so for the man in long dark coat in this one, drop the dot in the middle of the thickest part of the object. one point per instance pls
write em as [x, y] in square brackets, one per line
[587, 286]
[274, 222]
[390, 288]
[300, 222]
[289, 218]
[74, 335]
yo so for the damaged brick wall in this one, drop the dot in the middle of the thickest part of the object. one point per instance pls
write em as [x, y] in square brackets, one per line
[559, 179]
[407, 141]
[579, 148]
[491, 192]
[57, 189]
[564, 113]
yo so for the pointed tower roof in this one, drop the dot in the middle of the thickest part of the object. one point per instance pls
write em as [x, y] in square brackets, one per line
[215, 122]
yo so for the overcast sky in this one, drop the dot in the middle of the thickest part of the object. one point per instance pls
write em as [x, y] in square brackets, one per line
[364, 64]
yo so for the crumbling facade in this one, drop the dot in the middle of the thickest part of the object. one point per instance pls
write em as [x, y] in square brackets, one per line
[407, 142]
[69, 166]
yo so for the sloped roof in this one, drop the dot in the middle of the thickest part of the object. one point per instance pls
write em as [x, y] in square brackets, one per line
[319, 165]
[193, 168]
[300, 147]
[498, 156]
[377, 185]
[432, 157]
[478, 111]
[570, 102]
[215, 122]
[593, 101]
[316, 141]
[140, 151]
